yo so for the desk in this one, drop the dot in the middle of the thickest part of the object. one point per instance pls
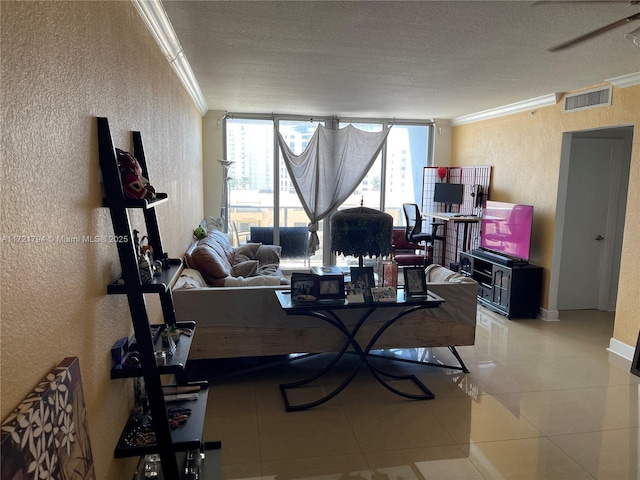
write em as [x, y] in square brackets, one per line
[456, 218]
[329, 312]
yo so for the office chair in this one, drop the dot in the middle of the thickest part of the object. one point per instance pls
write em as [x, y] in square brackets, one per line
[406, 254]
[414, 233]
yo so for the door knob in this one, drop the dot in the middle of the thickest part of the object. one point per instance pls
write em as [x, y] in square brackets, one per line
[599, 238]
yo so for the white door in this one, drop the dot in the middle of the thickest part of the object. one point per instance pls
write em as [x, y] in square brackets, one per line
[584, 273]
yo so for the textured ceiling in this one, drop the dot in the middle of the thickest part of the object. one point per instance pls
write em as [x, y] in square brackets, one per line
[400, 59]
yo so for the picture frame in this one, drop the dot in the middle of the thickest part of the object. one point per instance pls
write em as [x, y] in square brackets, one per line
[415, 283]
[362, 281]
[352, 296]
[303, 288]
[384, 294]
[330, 287]
[308, 287]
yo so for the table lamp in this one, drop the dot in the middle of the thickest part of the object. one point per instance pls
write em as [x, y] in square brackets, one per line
[361, 231]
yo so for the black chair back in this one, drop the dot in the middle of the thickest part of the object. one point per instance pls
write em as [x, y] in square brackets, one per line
[414, 221]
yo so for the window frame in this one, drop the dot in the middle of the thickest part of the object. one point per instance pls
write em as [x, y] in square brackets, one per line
[330, 121]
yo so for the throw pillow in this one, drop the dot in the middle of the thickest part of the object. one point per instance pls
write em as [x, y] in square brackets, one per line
[269, 255]
[245, 269]
[246, 252]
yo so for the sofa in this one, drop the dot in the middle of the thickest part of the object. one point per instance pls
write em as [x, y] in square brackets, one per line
[247, 320]
[221, 264]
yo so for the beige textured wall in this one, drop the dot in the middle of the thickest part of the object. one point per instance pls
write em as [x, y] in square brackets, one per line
[524, 151]
[63, 64]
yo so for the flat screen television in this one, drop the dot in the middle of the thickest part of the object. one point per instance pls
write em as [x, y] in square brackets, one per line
[506, 229]
[448, 193]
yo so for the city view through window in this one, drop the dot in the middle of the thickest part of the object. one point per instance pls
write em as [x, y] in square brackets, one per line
[258, 167]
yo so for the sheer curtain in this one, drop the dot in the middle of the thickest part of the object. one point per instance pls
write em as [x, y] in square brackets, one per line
[329, 170]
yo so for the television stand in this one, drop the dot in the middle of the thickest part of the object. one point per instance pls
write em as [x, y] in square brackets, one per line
[497, 258]
[505, 285]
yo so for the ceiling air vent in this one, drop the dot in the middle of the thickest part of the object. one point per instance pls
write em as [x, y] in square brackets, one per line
[599, 97]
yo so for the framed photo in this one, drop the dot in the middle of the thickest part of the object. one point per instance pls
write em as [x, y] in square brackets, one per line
[415, 283]
[362, 281]
[352, 296]
[384, 294]
[330, 287]
[303, 287]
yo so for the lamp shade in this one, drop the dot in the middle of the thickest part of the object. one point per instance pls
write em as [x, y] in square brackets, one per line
[361, 231]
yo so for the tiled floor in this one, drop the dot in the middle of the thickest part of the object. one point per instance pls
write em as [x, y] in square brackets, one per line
[544, 400]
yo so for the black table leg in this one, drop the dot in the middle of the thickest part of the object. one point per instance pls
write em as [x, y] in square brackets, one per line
[462, 367]
[331, 318]
[364, 355]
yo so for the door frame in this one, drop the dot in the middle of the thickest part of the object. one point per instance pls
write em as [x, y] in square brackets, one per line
[624, 132]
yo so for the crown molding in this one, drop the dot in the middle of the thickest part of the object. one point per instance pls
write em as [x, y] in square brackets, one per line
[625, 81]
[622, 81]
[156, 20]
[526, 105]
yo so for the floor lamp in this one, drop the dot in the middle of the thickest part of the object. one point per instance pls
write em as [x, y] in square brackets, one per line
[224, 209]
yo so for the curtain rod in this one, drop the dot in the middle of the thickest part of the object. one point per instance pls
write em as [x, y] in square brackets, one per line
[311, 118]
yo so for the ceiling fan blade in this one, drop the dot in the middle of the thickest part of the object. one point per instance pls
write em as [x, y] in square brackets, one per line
[594, 33]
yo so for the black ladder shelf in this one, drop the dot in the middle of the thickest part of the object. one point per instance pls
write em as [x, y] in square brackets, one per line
[170, 444]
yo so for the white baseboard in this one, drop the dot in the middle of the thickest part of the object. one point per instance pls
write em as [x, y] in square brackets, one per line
[549, 315]
[621, 349]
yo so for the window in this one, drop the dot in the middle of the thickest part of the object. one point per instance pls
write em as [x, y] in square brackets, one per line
[262, 194]
[407, 154]
[249, 145]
